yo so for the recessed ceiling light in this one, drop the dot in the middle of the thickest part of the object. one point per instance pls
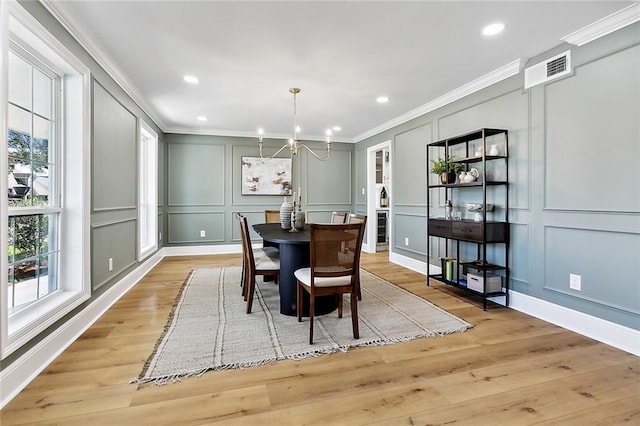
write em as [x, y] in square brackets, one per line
[493, 29]
[191, 79]
[201, 118]
[336, 128]
[382, 99]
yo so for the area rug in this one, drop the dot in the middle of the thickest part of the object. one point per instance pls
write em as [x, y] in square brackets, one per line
[208, 328]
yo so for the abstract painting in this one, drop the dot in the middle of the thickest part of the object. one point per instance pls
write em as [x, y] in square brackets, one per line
[266, 176]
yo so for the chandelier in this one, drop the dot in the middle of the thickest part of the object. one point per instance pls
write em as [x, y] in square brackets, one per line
[294, 143]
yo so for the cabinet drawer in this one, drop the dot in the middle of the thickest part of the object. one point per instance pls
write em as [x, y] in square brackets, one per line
[497, 232]
[440, 227]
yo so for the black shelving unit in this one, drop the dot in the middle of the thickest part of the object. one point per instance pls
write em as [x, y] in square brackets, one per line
[466, 231]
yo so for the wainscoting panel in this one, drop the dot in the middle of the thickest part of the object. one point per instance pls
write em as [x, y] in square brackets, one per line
[114, 152]
[196, 174]
[115, 240]
[185, 227]
[604, 260]
[592, 175]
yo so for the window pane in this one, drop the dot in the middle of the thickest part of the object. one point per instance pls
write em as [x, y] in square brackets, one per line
[25, 284]
[10, 240]
[19, 121]
[19, 74]
[27, 236]
[42, 91]
[41, 136]
[39, 193]
[19, 183]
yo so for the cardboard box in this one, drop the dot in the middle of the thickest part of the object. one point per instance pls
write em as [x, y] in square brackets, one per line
[494, 283]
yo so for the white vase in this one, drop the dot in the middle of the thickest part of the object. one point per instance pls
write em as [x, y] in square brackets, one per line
[494, 150]
[285, 214]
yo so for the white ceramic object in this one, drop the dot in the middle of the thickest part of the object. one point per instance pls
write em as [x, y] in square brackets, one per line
[494, 150]
[285, 214]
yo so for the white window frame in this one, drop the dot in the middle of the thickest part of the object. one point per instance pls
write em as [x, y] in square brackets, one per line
[147, 190]
[74, 180]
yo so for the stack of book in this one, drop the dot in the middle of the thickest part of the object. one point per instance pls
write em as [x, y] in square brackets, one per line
[448, 265]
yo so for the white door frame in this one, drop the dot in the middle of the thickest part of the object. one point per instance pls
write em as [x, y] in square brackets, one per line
[372, 217]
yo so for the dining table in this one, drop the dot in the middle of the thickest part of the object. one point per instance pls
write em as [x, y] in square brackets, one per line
[294, 254]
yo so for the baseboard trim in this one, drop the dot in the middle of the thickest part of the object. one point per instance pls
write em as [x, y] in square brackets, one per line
[21, 372]
[612, 334]
[202, 250]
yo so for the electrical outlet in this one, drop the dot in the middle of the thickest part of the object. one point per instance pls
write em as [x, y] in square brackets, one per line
[363, 192]
[202, 233]
[110, 264]
[160, 236]
[406, 241]
[575, 282]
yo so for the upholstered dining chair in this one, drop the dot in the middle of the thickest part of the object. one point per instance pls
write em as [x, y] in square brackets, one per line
[335, 262]
[339, 217]
[356, 218]
[272, 216]
[260, 261]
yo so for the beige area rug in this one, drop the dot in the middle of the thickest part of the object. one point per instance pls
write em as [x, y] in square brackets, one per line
[208, 328]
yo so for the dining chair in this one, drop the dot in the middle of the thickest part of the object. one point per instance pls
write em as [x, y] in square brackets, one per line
[335, 262]
[339, 217]
[260, 261]
[356, 218]
[272, 216]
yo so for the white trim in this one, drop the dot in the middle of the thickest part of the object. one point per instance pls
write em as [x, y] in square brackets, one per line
[604, 26]
[201, 250]
[495, 76]
[147, 190]
[79, 32]
[616, 335]
[74, 163]
[607, 332]
[372, 195]
[20, 373]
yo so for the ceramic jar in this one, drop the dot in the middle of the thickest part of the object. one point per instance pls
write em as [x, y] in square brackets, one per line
[494, 150]
[285, 214]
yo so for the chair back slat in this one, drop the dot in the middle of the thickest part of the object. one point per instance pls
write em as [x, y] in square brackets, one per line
[272, 216]
[356, 218]
[339, 217]
[335, 249]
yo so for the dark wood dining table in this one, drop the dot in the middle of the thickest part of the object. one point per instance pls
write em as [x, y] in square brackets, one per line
[294, 254]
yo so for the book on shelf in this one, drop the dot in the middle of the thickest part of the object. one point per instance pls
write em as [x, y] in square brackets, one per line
[449, 265]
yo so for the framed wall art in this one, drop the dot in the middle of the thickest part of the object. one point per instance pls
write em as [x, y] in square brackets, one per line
[266, 176]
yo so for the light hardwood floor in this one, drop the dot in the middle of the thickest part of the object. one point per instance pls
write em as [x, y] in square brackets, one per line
[509, 369]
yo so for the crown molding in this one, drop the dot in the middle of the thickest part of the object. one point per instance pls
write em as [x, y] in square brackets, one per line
[241, 134]
[506, 71]
[81, 34]
[604, 26]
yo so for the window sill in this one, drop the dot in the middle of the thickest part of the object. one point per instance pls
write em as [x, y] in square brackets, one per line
[27, 324]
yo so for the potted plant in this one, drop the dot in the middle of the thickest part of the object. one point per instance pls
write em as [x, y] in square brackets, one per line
[446, 170]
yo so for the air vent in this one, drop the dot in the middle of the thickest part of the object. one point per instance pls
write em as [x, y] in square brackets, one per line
[548, 70]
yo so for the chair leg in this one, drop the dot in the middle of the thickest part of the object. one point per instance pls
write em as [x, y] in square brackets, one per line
[358, 286]
[340, 305]
[312, 309]
[250, 290]
[299, 301]
[354, 315]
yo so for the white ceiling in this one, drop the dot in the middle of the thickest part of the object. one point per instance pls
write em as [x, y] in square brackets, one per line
[342, 54]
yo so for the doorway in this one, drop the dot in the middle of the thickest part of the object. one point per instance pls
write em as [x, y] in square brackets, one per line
[378, 177]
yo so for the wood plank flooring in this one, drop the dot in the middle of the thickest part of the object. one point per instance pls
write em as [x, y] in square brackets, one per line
[509, 369]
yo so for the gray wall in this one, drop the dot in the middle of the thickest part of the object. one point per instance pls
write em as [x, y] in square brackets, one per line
[574, 146]
[204, 192]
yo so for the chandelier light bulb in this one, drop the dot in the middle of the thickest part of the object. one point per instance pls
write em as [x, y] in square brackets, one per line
[294, 144]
